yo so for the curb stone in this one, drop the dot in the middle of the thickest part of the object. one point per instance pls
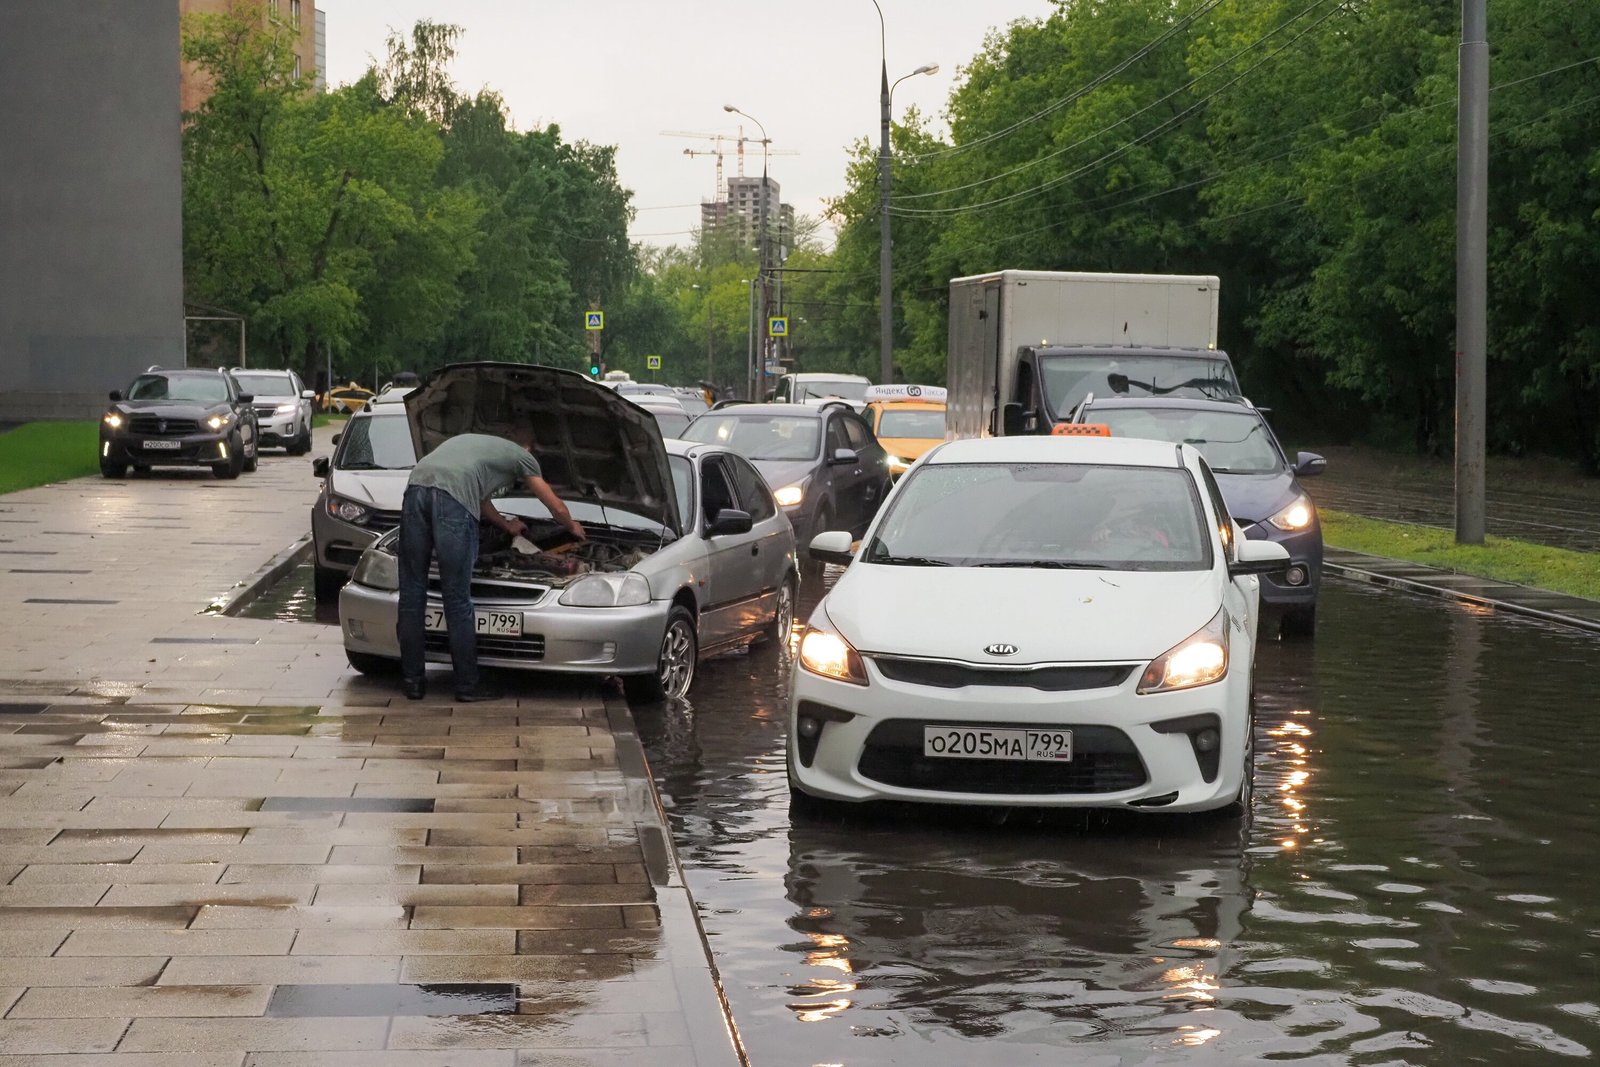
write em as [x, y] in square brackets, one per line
[239, 597]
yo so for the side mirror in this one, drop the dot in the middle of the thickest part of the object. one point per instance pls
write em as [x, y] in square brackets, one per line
[730, 521]
[834, 546]
[841, 456]
[336, 437]
[309, 394]
[320, 466]
[1015, 420]
[245, 398]
[116, 395]
[1309, 464]
[1259, 557]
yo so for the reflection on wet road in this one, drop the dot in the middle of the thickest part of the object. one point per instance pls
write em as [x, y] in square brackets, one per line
[1416, 885]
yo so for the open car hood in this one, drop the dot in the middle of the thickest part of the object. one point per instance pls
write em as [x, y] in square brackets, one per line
[593, 445]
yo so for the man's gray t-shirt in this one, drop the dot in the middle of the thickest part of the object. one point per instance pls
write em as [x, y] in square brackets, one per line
[472, 467]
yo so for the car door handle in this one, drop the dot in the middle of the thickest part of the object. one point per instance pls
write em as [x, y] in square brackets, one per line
[755, 549]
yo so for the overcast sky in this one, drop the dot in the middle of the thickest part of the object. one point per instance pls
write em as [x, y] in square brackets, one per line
[621, 71]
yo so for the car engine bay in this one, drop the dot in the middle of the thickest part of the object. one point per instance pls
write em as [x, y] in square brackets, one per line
[549, 555]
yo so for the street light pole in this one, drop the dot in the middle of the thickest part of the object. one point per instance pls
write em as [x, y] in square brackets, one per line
[761, 239]
[1472, 281]
[750, 338]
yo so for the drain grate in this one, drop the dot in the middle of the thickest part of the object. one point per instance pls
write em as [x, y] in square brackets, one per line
[201, 641]
[381, 804]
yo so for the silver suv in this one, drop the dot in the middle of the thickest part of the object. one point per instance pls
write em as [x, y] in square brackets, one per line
[363, 483]
[283, 407]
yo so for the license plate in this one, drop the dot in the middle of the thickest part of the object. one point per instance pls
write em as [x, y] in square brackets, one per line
[489, 623]
[164, 446]
[963, 742]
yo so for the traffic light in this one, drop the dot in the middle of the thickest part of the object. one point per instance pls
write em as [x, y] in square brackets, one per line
[595, 368]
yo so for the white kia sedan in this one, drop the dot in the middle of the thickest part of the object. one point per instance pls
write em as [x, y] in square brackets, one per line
[1036, 621]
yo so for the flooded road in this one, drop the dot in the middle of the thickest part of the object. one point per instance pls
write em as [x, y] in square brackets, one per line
[1417, 884]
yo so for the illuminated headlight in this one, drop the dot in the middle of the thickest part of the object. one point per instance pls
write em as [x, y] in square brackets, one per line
[286, 409]
[1199, 659]
[377, 570]
[898, 466]
[826, 653]
[217, 422]
[113, 420]
[607, 591]
[790, 495]
[348, 510]
[1299, 515]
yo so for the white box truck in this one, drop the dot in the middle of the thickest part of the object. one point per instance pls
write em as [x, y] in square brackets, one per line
[1027, 346]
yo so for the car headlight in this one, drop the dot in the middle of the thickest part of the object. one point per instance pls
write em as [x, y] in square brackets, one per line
[899, 466]
[1299, 515]
[377, 570]
[826, 653]
[217, 422]
[113, 420]
[348, 510]
[286, 409]
[607, 591]
[790, 495]
[1199, 659]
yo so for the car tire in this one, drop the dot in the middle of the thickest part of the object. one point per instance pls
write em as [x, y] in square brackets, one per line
[803, 807]
[782, 625]
[675, 664]
[1240, 806]
[367, 663]
[326, 582]
[230, 467]
[1298, 624]
[252, 461]
[301, 444]
[113, 469]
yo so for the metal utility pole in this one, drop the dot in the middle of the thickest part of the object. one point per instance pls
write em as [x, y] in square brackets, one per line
[885, 265]
[1472, 273]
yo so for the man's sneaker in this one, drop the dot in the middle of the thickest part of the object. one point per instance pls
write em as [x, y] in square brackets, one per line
[414, 689]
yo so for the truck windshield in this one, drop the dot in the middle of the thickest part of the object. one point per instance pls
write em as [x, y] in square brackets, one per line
[1069, 378]
[1044, 515]
[819, 388]
[1232, 442]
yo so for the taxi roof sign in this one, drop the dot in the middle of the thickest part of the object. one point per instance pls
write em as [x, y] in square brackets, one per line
[1080, 429]
[933, 393]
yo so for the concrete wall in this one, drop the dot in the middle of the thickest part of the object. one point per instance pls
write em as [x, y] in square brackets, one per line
[91, 242]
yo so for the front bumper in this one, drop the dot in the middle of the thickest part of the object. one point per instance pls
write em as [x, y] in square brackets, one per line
[1305, 551]
[555, 637]
[339, 544]
[1116, 728]
[201, 449]
[278, 429]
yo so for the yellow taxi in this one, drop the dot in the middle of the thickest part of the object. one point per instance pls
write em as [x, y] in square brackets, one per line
[348, 399]
[907, 419]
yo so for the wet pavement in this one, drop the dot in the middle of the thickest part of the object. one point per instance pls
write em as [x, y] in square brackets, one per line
[1415, 886]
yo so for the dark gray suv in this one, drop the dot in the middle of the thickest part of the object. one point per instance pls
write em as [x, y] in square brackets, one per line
[824, 466]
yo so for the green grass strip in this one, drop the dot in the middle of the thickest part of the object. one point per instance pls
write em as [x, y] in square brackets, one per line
[323, 418]
[36, 453]
[1500, 558]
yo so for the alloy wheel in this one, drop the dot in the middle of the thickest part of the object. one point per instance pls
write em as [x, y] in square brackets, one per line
[678, 654]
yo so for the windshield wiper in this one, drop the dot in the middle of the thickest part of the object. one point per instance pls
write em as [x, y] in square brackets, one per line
[364, 467]
[908, 561]
[1048, 564]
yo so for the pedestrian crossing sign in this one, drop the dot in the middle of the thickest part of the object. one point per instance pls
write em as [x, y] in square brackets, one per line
[778, 326]
[594, 320]
[652, 362]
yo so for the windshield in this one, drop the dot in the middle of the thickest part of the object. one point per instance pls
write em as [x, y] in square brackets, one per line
[758, 436]
[1068, 379]
[672, 423]
[265, 384]
[1045, 515]
[205, 388]
[924, 424]
[376, 444]
[816, 388]
[1232, 442]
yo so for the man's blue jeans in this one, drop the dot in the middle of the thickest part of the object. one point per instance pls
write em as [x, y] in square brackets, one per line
[433, 523]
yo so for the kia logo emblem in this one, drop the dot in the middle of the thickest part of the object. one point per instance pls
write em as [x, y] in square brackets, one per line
[1001, 650]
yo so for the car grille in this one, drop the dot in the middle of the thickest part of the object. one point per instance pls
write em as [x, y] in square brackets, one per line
[385, 520]
[528, 646]
[161, 426]
[944, 675]
[266, 410]
[498, 592]
[1104, 760]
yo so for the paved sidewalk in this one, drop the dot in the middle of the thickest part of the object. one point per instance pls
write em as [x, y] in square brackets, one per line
[219, 846]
